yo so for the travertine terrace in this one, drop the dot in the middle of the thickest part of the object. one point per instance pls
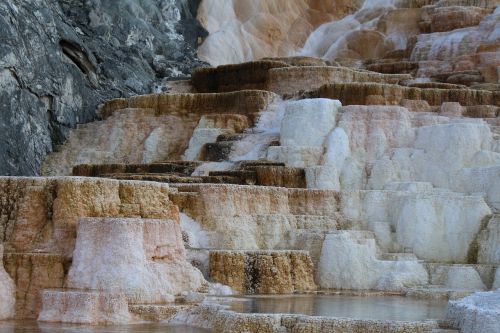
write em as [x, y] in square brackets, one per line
[360, 156]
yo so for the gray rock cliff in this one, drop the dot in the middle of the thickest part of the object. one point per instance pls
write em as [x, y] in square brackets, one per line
[59, 59]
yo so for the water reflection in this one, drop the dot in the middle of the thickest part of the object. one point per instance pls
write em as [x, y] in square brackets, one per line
[34, 327]
[358, 307]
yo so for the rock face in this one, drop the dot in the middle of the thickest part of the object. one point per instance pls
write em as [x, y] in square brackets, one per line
[7, 289]
[263, 272]
[60, 59]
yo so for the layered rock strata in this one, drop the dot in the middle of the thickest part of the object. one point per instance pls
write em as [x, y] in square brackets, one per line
[154, 128]
[263, 272]
[40, 221]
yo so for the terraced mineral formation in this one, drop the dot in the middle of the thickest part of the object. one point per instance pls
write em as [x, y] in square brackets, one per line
[40, 233]
[246, 30]
[335, 147]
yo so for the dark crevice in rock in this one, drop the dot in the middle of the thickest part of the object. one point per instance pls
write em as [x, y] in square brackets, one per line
[80, 58]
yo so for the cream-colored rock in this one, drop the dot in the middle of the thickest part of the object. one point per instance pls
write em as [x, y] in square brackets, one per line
[464, 278]
[452, 44]
[200, 137]
[348, 261]
[84, 307]
[252, 29]
[142, 258]
[456, 17]
[303, 132]
[421, 220]
[7, 290]
[207, 131]
[369, 33]
[295, 156]
[307, 122]
[227, 217]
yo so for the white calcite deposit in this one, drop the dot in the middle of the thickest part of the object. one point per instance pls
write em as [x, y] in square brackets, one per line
[304, 130]
[479, 312]
[348, 261]
[420, 220]
[421, 182]
[7, 290]
[142, 258]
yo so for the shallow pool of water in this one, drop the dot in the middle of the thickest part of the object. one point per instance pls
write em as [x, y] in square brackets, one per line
[397, 308]
[34, 327]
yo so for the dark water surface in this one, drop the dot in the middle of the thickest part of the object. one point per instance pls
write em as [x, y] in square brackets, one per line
[358, 307]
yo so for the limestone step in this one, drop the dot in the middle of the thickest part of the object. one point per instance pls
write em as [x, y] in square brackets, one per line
[482, 111]
[486, 86]
[175, 179]
[438, 292]
[250, 75]
[466, 78]
[473, 276]
[157, 312]
[435, 85]
[377, 93]
[265, 173]
[449, 17]
[280, 176]
[245, 176]
[399, 256]
[84, 307]
[477, 3]
[281, 77]
[173, 167]
[397, 67]
[299, 61]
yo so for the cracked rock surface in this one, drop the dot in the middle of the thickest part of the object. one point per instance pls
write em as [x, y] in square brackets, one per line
[59, 59]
